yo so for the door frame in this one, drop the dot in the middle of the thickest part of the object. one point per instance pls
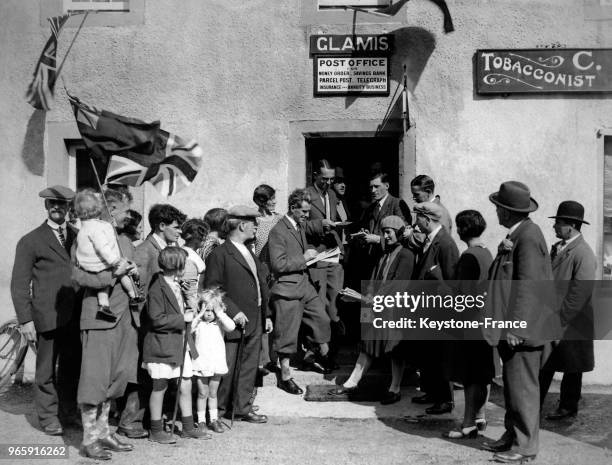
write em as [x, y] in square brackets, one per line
[299, 131]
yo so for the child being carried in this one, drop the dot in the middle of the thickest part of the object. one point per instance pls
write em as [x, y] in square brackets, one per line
[98, 250]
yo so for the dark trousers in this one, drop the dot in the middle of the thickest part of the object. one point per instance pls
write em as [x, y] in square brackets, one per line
[571, 388]
[520, 372]
[435, 379]
[58, 362]
[246, 376]
[135, 402]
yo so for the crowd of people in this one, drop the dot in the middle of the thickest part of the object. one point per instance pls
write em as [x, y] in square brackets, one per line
[239, 293]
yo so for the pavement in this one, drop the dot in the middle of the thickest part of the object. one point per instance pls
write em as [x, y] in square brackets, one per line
[300, 432]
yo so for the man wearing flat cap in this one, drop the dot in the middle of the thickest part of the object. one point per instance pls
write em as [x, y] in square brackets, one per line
[574, 266]
[47, 309]
[436, 260]
[234, 269]
[522, 264]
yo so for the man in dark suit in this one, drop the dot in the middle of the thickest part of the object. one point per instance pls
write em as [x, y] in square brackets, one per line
[47, 309]
[383, 205]
[436, 260]
[165, 221]
[517, 277]
[574, 266]
[234, 268]
[294, 298]
[327, 276]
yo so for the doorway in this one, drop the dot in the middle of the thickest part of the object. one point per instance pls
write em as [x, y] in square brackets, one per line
[359, 157]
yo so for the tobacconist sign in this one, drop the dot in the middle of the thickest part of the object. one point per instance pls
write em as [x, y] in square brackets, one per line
[543, 71]
[351, 64]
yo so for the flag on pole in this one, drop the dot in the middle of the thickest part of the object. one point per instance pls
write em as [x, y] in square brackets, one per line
[139, 152]
[40, 91]
[394, 7]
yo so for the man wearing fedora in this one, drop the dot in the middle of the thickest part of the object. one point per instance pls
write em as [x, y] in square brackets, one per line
[574, 266]
[47, 308]
[522, 263]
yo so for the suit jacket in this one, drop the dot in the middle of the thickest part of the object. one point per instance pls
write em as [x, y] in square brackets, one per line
[317, 237]
[516, 286]
[145, 257]
[227, 269]
[574, 271]
[370, 218]
[118, 298]
[41, 285]
[163, 340]
[286, 251]
[442, 254]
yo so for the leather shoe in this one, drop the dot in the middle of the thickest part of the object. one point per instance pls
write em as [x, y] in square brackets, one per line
[501, 445]
[561, 413]
[216, 426]
[132, 432]
[112, 442]
[424, 399]
[95, 451]
[341, 390]
[439, 408]
[53, 429]
[513, 457]
[316, 366]
[391, 398]
[290, 386]
[253, 417]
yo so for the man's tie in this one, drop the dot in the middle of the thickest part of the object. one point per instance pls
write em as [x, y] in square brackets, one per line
[559, 248]
[62, 238]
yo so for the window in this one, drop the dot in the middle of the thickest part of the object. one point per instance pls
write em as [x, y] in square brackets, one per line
[96, 5]
[607, 217]
[80, 171]
[341, 4]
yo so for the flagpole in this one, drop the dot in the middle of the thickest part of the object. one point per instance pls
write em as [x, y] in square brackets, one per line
[113, 221]
[59, 70]
[405, 109]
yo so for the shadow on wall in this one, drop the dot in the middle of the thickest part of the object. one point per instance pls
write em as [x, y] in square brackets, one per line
[413, 47]
[32, 151]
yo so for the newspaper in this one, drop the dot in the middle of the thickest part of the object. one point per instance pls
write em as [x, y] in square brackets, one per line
[331, 256]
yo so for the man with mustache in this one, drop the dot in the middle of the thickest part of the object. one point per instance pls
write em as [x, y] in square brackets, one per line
[47, 309]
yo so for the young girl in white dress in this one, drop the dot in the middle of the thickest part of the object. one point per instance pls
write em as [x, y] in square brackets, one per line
[208, 325]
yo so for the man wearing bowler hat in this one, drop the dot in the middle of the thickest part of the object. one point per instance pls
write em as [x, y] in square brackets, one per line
[573, 265]
[521, 265]
[234, 268]
[47, 309]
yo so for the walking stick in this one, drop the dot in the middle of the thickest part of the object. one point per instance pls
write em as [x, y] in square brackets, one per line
[178, 390]
[237, 365]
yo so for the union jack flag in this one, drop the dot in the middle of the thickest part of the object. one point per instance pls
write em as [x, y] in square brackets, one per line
[41, 89]
[139, 152]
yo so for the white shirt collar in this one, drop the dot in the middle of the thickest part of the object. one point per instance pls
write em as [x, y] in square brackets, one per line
[292, 221]
[382, 201]
[514, 227]
[240, 246]
[434, 233]
[567, 242]
[53, 225]
[161, 242]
